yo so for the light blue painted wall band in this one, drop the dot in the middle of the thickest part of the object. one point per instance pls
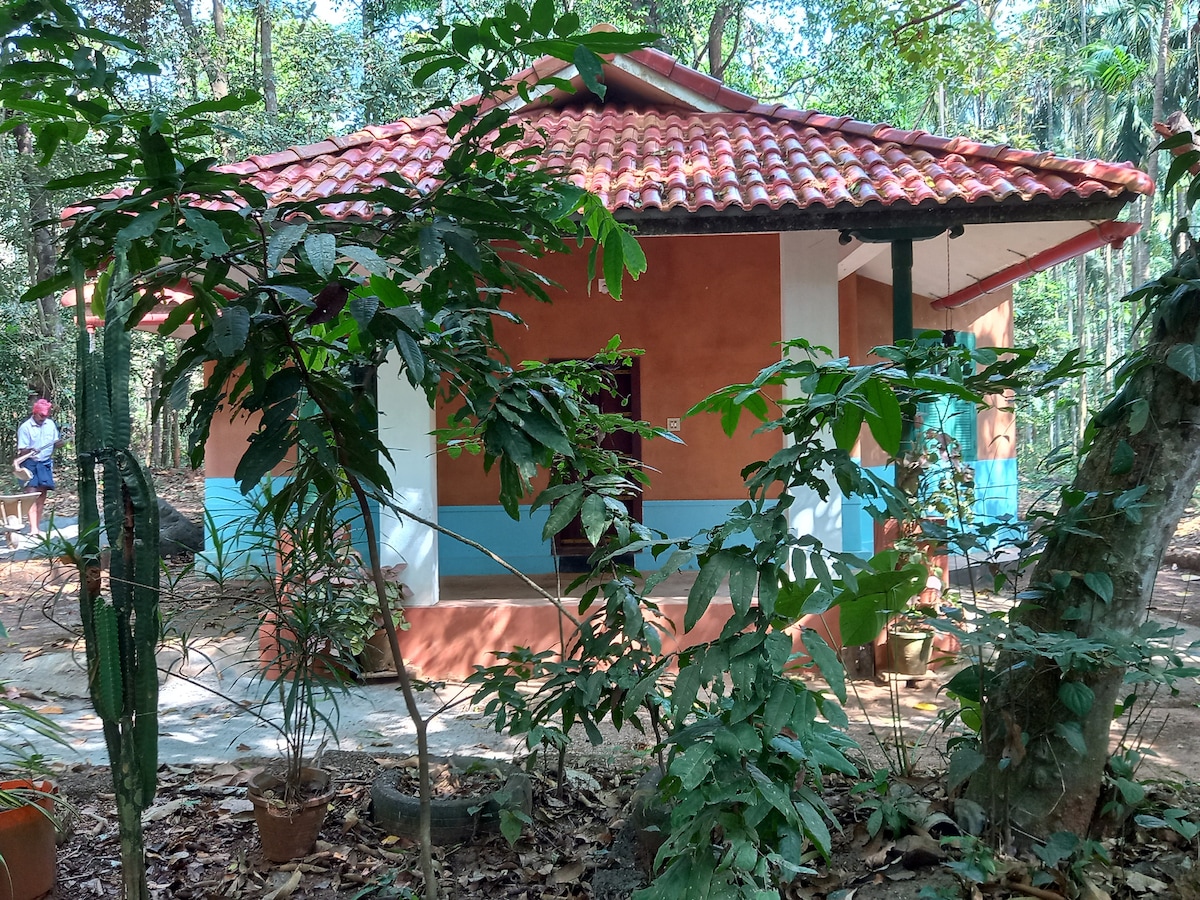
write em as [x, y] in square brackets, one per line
[520, 542]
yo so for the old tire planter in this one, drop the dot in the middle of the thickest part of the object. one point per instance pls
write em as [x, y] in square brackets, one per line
[288, 833]
[28, 843]
[452, 821]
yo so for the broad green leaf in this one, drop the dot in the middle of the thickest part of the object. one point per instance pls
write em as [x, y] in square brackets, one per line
[321, 250]
[683, 694]
[815, 826]
[143, 225]
[635, 257]
[1059, 846]
[964, 763]
[1185, 359]
[693, 765]
[541, 16]
[211, 234]
[827, 661]
[260, 457]
[563, 512]
[371, 261]
[230, 330]
[283, 239]
[363, 309]
[590, 70]
[614, 262]
[1122, 460]
[567, 23]
[429, 243]
[1100, 584]
[846, 427]
[1072, 733]
[157, 158]
[236, 100]
[592, 515]
[1139, 409]
[511, 825]
[413, 355]
[777, 711]
[743, 579]
[283, 384]
[1077, 697]
[545, 433]
[704, 588]
[886, 422]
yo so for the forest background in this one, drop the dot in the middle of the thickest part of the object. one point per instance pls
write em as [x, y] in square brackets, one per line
[1079, 78]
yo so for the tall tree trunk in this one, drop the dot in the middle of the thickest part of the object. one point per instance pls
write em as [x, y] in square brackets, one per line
[1141, 252]
[1098, 582]
[42, 255]
[717, 61]
[372, 17]
[1110, 318]
[1081, 342]
[156, 431]
[267, 61]
[214, 64]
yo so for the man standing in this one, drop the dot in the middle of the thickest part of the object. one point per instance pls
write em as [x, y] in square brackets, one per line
[40, 436]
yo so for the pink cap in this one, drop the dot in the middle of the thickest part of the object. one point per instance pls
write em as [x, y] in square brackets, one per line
[41, 407]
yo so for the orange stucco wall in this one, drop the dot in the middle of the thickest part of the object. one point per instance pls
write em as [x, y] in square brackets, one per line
[227, 441]
[865, 321]
[702, 326]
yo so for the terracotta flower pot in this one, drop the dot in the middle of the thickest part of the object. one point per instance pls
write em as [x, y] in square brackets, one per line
[27, 844]
[288, 832]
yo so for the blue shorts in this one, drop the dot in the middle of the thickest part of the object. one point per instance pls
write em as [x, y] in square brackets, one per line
[43, 474]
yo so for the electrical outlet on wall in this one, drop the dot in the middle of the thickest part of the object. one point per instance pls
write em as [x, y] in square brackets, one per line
[673, 423]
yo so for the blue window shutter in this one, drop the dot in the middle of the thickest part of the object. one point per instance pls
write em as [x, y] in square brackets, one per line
[955, 417]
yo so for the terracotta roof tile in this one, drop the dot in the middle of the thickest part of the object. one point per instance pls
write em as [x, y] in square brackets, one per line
[755, 156]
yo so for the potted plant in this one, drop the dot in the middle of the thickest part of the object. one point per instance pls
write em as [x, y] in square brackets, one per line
[310, 660]
[375, 655]
[340, 587]
[29, 807]
[910, 642]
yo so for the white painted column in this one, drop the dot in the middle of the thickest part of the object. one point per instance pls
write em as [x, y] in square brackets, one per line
[808, 262]
[406, 425]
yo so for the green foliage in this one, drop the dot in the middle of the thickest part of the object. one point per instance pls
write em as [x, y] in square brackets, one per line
[893, 807]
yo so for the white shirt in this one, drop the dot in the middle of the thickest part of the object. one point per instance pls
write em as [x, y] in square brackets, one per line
[38, 437]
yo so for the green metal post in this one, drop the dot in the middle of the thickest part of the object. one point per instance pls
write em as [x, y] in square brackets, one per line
[902, 290]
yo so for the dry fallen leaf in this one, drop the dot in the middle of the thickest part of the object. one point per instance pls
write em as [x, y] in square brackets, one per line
[161, 811]
[1140, 883]
[569, 873]
[287, 888]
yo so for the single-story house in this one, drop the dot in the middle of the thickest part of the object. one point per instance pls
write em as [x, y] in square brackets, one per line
[760, 224]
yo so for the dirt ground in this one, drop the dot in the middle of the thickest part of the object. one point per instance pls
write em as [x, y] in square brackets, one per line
[201, 841]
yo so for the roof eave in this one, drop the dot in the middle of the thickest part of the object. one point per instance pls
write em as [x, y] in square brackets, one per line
[842, 216]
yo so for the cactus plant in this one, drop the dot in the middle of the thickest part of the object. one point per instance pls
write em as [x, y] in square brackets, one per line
[121, 627]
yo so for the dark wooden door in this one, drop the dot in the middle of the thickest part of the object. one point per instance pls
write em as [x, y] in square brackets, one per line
[570, 545]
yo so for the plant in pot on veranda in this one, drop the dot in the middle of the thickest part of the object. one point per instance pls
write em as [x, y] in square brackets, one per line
[29, 805]
[308, 642]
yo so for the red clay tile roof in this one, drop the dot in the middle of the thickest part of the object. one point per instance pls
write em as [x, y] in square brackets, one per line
[678, 160]
[682, 161]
